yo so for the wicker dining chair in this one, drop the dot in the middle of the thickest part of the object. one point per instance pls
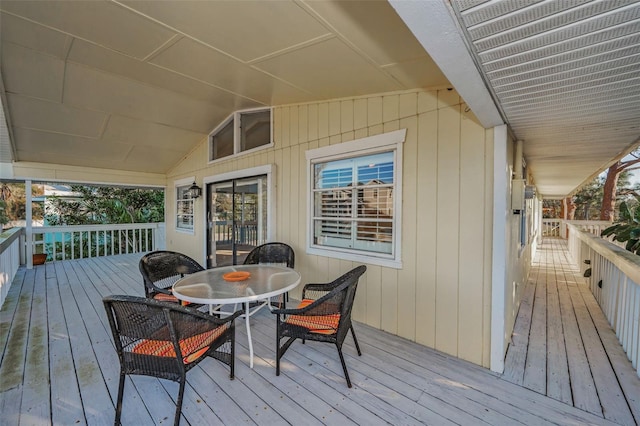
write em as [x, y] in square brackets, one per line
[165, 340]
[161, 269]
[273, 253]
[324, 315]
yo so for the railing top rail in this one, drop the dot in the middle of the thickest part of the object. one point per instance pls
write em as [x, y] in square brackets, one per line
[8, 236]
[589, 222]
[626, 261]
[79, 228]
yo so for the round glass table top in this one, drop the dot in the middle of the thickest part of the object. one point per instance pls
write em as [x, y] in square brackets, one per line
[210, 287]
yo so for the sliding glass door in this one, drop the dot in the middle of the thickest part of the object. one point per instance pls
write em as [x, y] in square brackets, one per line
[237, 219]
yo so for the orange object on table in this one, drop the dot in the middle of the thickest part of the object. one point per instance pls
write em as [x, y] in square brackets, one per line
[236, 276]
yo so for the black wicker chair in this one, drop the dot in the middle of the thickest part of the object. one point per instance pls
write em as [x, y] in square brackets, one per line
[166, 340]
[324, 315]
[161, 269]
[273, 253]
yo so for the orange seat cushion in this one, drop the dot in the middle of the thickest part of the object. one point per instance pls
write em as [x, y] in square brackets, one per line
[192, 347]
[321, 324]
[169, 298]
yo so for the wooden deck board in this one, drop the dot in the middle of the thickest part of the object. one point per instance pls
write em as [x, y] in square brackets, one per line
[517, 354]
[583, 388]
[536, 364]
[558, 383]
[601, 379]
[395, 381]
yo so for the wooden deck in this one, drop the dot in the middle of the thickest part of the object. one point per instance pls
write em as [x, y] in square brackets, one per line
[58, 366]
[563, 346]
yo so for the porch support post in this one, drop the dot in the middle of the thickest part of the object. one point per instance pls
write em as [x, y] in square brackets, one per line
[499, 267]
[29, 224]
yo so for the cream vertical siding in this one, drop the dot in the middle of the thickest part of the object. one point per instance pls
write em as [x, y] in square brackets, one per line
[441, 296]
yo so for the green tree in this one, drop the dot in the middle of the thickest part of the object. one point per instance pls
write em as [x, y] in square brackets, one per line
[617, 179]
[4, 219]
[627, 229]
[591, 199]
[103, 205]
[15, 199]
[588, 200]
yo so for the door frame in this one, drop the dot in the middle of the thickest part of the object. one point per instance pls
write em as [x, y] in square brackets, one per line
[268, 170]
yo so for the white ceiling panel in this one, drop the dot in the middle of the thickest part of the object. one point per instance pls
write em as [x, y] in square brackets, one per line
[160, 160]
[126, 97]
[150, 135]
[244, 30]
[112, 62]
[330, 66]
[33, 36]
[41, 145]
[31, 73]
[197, 61]
[104, 22]
[417, 73]
[360, 27]
[37, 114]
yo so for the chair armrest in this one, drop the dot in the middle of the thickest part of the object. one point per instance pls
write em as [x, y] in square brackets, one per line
[151, 286]
[313, 306]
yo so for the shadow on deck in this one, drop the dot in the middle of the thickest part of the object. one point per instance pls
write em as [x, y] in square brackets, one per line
[562, 345]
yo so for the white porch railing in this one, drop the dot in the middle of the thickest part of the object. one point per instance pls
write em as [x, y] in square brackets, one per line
[76, 242]
[551, 227]
[614, 281]
[558, 227]
[9, 259]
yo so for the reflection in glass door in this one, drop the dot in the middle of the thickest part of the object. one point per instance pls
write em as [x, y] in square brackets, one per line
[237, 219]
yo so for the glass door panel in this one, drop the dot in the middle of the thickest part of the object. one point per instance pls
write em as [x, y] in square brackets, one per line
[237, 212]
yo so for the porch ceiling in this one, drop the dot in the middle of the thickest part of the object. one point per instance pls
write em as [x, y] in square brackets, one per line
[136, 85]
[566, 76]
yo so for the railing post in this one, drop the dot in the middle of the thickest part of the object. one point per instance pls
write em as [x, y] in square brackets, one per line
[160, 237]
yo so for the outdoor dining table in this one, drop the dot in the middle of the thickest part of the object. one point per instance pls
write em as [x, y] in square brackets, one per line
[226, 285]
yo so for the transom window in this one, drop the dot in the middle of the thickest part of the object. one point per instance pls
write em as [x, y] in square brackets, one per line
[242, 131]
[354, 200]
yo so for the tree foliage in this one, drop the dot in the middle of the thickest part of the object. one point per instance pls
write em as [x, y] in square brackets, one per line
[102, 205]
[627, 230]
[4, 219]
[590, 199]
[615, 179]
[13, 198]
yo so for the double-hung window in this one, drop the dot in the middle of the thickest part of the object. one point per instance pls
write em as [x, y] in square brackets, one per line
[184, 206]
[354, 201]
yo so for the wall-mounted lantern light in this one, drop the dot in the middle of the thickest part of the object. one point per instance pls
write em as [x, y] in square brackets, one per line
[195, 191]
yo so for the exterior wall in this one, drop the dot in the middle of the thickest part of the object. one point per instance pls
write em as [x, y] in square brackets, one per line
[442, 295]
[518, 258]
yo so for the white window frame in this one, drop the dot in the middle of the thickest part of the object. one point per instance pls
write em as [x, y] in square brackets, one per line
[236, 118]
[392, 141]
[180, 184]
